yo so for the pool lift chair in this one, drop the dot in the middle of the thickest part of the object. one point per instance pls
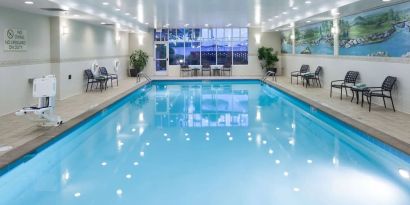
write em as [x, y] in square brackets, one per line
[44, 112]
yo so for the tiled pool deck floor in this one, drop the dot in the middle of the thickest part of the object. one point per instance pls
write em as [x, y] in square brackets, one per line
[22, 136]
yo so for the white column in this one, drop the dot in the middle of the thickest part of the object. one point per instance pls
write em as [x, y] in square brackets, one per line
[293, 38]
[336, 32]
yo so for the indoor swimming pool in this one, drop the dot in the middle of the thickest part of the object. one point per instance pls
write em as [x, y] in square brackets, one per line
[210, 142]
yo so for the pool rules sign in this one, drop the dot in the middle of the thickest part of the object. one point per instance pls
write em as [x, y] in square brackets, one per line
[15, 39]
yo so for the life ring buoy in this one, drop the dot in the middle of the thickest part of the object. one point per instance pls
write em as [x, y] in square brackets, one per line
[95, 68]
[116, 65]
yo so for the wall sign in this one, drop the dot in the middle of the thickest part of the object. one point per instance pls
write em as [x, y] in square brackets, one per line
[15, 39]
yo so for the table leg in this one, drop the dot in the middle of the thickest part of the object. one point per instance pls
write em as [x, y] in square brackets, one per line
[357, 97]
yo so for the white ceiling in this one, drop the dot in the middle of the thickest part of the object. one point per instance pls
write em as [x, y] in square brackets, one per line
[143, 14]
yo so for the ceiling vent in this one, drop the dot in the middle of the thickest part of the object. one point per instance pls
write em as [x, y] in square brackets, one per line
[54, 9]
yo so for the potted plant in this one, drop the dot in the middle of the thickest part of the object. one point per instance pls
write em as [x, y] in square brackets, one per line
[138, 61]
[267, 58]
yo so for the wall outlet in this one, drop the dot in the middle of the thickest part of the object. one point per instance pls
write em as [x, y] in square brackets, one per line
[69, 77]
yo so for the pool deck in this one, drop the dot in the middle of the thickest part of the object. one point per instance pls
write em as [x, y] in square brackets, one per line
[390, 127]
[24, 136]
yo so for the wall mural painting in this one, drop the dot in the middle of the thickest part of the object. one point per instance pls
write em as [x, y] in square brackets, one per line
[382, 32]
[315, 39]
[286, 41]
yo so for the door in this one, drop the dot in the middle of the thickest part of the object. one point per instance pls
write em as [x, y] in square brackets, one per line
[161, 59]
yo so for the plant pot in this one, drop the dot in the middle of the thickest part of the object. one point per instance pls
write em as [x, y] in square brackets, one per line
[134, 72]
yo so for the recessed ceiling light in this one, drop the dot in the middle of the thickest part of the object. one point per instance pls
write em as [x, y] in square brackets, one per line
[285, 12]
[105, 3]
[249, 24]
[134, 17]
[295, 8]
[308, 2]
[206, 25]
[118, 9]
[127, 14]
[228, 25]
[276, 16]
[29, 2]
[103, 23]
[308, 21]
[386, 0]
[270, 19]
[186, 25]
[146, 23]
[76, 15]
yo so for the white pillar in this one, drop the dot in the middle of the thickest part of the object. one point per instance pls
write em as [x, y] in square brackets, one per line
[293, 38]
[336, 36]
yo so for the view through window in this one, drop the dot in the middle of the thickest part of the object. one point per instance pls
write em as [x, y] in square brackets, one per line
[214, 46]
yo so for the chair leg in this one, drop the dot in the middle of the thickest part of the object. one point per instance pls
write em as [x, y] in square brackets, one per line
[352, 97]
[346, 91]
[341, 93]
[384, 102]
[391, 99]
[86, 90]
[362, 99]
[331, 88]
[320, 84]
[370, 103]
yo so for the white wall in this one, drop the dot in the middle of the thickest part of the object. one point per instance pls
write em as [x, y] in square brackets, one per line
[17, 67]
[267, 39]
[372, 70]
[50, 52]
[84, 44]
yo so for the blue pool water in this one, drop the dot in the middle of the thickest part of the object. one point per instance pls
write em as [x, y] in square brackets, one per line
[211, 142]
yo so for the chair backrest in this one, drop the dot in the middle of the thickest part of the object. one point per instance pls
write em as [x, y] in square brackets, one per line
[103, 71]
[351, 77]
[318, 70]
[206, 65]
[388, 83]
[304, 69]
[89, 73]
[227, 65]
[184, 66]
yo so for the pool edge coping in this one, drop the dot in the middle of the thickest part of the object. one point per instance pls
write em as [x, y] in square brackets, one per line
[369, 130]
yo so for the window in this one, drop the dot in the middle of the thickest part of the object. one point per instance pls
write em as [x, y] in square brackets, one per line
[216, 46]
[192, 53]
[208, 52]
[176, 53]
[224, 53]
[240, 47]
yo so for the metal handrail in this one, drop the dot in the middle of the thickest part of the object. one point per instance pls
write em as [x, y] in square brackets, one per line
[141, 74]
[269, 73]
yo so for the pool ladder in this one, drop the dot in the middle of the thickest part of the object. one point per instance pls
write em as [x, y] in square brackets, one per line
[141, 74]
[269, 73]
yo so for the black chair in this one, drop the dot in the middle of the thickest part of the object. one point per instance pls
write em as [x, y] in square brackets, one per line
[91, 79]
[109, 76]
[314, 77]
[207, 68]
[297, 74]
[382, 92]
[227, 67]
[348, 82]
[184, 68]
